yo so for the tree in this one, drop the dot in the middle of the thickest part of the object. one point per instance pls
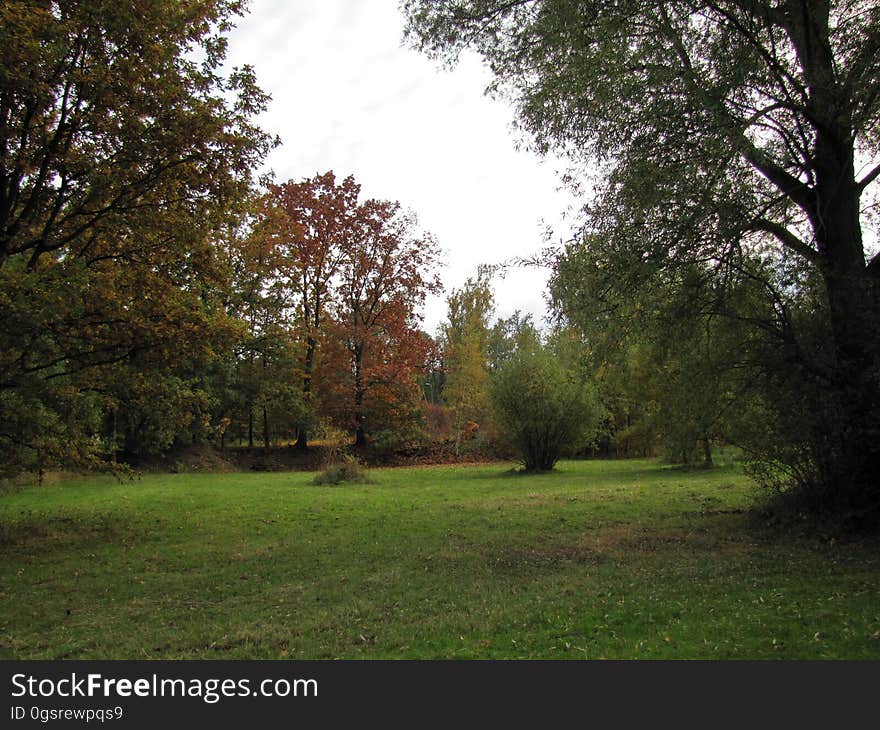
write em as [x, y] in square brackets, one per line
[111, 129]
[123, 153]
[384, 280]
[543, 408]
[507, 336]
[670, 370]
[466, 350]
[740, 137]
[314, 226]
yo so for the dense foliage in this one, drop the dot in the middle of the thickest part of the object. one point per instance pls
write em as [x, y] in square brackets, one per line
[151, 294]
[544, 409]
[121, 160]
[732, 149]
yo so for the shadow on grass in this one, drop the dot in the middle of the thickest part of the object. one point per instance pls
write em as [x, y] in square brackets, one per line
[628, 471]
[34, 531]
[521, 471]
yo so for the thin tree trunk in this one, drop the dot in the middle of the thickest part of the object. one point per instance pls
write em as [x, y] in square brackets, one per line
[707, 452]
[251, 428]
[458, 421]
[265, 427]
[360, 437]
[311, 344]
[113, 437]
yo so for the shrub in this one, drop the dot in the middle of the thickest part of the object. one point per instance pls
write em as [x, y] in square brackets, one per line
[543, 409]
[345, 470]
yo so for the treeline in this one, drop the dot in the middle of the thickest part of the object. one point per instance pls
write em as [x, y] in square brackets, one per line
[154, 292]
[301, 316]
[329, 288]
[647, 381]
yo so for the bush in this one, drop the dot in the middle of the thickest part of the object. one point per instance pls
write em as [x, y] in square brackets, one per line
[543, 409]
[345, 470]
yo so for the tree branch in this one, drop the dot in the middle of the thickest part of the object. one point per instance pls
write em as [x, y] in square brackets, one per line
[873, 268]
[868, 179]
[734, 129]
[788, 184]
[788, 239]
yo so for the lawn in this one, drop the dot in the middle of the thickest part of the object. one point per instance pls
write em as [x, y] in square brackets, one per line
[616, 559]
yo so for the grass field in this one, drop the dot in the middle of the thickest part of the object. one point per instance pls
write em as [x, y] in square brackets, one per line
[616, 559]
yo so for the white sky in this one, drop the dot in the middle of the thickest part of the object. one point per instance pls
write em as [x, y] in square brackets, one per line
[348, 97]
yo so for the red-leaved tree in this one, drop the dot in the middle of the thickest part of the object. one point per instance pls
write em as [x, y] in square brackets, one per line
[314, 226]
[357, 272]
[384, 281]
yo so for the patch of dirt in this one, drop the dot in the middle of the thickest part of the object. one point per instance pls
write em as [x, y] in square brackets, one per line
[434, 454]
[282, 458]
[629, 538]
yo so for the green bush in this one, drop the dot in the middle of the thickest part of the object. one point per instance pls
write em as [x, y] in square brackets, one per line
[543, 409]
[346, 470]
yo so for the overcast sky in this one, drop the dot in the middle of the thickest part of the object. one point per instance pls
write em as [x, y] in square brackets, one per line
[347, 96]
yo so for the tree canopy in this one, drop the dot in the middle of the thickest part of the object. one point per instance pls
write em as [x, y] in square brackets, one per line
[734, 141]
[352, 274]
[124, 152]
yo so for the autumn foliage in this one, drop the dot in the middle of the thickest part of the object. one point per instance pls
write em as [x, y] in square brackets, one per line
[355, 274]
[121, 161]
[153, 292]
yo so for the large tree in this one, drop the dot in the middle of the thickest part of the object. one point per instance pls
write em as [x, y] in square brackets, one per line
[737, 137]
[313, 225]
[124, 151]
[112, 127]
[383, 283]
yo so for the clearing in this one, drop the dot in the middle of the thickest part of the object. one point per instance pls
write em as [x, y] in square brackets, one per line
[616, 559]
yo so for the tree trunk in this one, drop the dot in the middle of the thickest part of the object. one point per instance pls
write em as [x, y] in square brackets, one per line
[847, 446]
[850, 408]
[251, 428]
[265, 427]
[113, 436]
[707, 452]
[360, 436]
[302, 436]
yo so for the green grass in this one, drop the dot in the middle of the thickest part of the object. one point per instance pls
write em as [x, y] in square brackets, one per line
[617, 559]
